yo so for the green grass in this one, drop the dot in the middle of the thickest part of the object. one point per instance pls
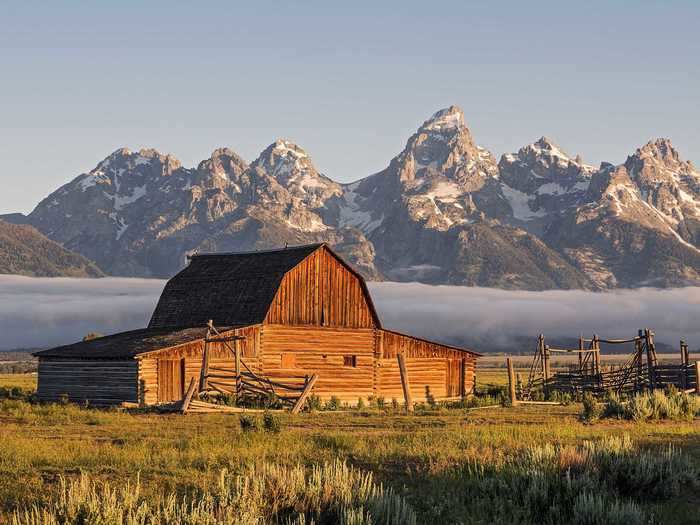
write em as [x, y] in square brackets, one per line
[432, 460]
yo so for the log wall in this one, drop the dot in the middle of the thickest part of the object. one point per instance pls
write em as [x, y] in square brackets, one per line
[100, 383]
[434, 370]
[219, 357]
[328, 352]
[321, 291]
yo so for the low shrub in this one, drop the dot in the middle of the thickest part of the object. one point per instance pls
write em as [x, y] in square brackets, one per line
[313, 403]
[596, 482]
[272, 423]
[16, 392]
[333, 403]
[248, 422]
[565, 398]
[591, 410]
[614, 407]
[330, 493]
[670, 404]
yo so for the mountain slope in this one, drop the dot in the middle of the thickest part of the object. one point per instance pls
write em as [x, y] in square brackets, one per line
[442, 211]
[639, 223]
[25, 251]
[438, 213]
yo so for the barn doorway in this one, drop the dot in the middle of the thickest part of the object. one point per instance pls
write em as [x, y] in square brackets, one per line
[171, 380]
[455, 378]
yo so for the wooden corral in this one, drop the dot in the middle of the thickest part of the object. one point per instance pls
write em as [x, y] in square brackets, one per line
[641, 371]
[291, 314]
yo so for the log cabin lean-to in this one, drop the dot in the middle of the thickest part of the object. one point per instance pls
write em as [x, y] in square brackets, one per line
[298, 310]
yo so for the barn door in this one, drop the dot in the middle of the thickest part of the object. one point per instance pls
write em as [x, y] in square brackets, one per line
[454, 378]
[171, 380]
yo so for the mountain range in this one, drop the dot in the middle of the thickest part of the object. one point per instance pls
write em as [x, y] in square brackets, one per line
[444, 210]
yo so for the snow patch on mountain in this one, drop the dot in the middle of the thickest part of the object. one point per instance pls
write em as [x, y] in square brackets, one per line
[520, 204]
[352, 214]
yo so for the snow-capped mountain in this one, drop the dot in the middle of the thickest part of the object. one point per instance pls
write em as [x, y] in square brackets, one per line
[442, 211]
[638, 223]
[541, 180]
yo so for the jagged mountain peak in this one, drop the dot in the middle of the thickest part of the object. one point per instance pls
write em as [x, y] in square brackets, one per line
[657, 160]
[286, 147]
[548, 144]
[441, 211]
[545, 146]
[124, 158]
[285, 166]
[445, 119]
[660, 148]
[283, 155]
[548, 155]
[224, 163]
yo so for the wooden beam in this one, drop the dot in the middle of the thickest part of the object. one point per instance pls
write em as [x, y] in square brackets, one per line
[224, 339]
[304, 395]
[544, 349]
[188, 396]
[511, 382]
[204, 372]
[404, 382]
[697, 377]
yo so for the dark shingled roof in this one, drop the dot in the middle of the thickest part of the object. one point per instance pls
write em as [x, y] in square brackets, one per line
[229, 288]
[126, 345]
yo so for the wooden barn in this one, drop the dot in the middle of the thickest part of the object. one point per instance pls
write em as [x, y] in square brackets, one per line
[292, 312]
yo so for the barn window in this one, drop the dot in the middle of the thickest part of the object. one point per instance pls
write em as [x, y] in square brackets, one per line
[288, 360]
[350, 360]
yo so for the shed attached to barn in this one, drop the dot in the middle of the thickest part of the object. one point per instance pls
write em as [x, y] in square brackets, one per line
[295, 312]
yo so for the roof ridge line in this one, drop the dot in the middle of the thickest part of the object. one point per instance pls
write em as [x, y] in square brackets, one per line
[253, 252]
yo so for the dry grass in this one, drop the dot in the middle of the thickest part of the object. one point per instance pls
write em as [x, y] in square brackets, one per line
[26, 381]
[416, 456]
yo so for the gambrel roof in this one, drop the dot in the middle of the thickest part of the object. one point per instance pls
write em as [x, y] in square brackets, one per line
[231, 288]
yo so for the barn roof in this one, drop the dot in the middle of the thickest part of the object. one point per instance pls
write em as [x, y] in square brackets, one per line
[125, 345]
[229, 288]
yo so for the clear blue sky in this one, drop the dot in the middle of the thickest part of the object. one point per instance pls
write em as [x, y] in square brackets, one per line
[347, 81]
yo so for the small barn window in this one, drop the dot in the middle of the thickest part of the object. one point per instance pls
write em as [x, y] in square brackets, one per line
[288, 360]
[350, 360]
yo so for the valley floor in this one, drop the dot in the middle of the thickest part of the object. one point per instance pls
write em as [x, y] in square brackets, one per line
[420, 456]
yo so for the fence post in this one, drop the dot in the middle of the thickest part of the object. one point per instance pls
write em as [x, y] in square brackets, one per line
[511, 382]
[404, 382]
[697, 377]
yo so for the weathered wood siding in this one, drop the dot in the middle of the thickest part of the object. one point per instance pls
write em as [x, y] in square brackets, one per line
[328, 352]
[321, 291]
[433, 369]
[219, 357]
[100, 383]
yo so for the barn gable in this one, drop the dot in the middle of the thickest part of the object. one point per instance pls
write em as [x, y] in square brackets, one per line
[322, 290]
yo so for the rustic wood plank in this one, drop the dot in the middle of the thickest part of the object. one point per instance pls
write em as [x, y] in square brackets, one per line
[305, 394]
[405, 382]
[188, 396]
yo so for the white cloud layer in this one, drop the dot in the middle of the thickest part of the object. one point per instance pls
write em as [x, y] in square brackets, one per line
[41, 312]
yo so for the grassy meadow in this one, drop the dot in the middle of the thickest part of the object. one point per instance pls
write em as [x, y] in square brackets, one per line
[525, 464]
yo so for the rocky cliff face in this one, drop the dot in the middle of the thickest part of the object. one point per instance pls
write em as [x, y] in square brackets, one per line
[442, 211]
[637, 223]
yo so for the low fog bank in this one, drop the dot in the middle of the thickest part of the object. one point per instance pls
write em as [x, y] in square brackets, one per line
[488, 319]
[43, 312]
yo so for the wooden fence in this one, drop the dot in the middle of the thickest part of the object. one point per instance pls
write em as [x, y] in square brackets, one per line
[641, 372]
